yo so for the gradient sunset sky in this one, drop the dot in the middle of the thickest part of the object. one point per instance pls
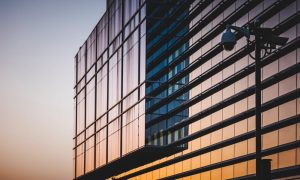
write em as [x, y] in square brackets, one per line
[38, 40]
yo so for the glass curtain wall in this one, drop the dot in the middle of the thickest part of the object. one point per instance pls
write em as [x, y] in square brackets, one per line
[110, 88]
[160, 73]
[219, 90]
[157, 75]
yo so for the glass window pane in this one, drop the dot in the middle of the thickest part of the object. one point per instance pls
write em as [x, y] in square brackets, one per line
[89, 151]
[90, 102]
[143, 59]
[287, 85]
[115, 19]
[79, 160]
[102, 35]
[113, 140]
[287, 110]
[130, 7]
[130, 69]
[80, 111]
[227, 172]
[81, 62]
[287, 158]
[270, 140]
[91, 50]
[114, 80]
[287, 134]
[101, 148]
[102, 91]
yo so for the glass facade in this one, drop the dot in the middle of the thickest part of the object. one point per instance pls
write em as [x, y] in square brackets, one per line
[153, 74]
[159, 46]
[110, 88]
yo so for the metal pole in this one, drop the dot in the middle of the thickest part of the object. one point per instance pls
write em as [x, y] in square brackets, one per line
[258, 101]
[266, 169]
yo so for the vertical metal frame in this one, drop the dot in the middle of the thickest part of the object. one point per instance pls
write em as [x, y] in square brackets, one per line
[85, 62]
[258, 104]
[95, 99]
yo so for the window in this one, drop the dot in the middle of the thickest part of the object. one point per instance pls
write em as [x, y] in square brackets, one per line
[81, 62]
[114, 80]
[114, 140]
[80, 111]
[115, 19]
[90, 102]
[102, 35]
[130, 69]
[79, 160]
[101, 91]
[130, 7]
[101, 148]
[91, 50]
[89, 150]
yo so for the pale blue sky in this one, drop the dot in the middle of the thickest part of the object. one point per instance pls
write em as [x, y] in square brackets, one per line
[38, 40]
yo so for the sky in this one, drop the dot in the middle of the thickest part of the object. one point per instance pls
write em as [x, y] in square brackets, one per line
[38, 42]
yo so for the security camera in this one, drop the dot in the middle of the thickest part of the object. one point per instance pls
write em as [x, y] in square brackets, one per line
[278, 40]
[228, 39]
[262, 36]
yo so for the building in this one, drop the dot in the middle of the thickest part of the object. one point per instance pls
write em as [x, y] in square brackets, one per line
[157, 97]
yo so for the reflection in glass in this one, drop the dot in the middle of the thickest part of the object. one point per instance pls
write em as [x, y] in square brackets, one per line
[143, 79]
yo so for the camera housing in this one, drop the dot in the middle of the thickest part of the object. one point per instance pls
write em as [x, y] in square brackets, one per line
[228, 40]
